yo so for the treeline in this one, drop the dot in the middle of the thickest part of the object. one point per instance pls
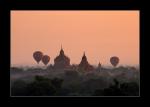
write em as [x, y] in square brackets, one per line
[121, 81]
[42, 86]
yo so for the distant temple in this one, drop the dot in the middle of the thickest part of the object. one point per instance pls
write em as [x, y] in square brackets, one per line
[61, 61]
[99, 66]
[84, 65]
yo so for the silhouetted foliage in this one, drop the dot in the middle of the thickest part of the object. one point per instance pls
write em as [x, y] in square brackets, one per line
[124, 89]
[18, 88]
[131, 89]
[119, 81]
[57, 82]
[39, 87]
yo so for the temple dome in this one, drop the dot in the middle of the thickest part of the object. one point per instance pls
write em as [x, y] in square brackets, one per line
[61, 61]
[84, 64]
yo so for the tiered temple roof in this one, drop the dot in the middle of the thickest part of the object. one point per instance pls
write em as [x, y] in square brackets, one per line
[61, 61]
[84, 64]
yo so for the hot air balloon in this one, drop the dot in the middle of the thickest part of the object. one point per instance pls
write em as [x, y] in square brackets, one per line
[45, 59]
[37, 55]
[114, 61]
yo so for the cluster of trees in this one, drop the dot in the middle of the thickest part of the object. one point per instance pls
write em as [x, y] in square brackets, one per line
[73, 83]
[41, 86]
[123, 89]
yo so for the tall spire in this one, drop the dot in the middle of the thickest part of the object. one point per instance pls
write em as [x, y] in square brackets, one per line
[84, 65]
[61, 51]
[84, 53]
[99, 64]
[61, 46]
[84, 57]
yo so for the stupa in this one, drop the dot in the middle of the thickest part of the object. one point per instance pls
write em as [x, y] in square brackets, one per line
[84, 64]
[61, 61]
[99, 67]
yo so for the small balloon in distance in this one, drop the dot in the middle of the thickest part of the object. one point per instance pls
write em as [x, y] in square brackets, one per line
[45, 59]
[37, 55]
[114, 61]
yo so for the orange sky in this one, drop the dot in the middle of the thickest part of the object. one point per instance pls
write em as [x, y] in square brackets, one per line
[101, 34]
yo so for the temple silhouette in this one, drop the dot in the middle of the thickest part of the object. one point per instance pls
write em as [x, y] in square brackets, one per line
[63, 62]
[84, 64]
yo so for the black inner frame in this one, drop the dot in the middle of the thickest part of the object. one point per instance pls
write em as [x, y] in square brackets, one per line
[58, 5]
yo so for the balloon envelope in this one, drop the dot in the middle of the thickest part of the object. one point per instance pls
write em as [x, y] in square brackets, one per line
[37, 55]
[45, 59]
[114, 61]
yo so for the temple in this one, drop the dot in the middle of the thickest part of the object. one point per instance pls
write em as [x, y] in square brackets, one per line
[84, 65]
[99, 67]
[61, 61]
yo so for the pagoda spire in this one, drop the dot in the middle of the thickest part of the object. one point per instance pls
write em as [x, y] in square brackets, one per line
[61, 51]
[84, 53]
[84, 65]
[61, 46]
[99, 64]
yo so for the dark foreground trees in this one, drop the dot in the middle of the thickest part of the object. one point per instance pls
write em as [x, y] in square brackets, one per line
[124, 89]
[42, 86]
[39, 87]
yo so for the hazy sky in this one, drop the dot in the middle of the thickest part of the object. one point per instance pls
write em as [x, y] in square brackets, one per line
[101, 34]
